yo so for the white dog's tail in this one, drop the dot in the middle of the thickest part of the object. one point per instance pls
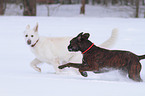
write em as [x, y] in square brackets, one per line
[112, 40]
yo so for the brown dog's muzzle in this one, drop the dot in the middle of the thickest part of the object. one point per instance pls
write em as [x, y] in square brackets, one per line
[70, 48]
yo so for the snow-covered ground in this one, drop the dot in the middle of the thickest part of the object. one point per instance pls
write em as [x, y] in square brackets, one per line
[17, 78]
[58, 10]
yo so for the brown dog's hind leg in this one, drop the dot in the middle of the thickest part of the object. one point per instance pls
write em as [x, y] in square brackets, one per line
[134, 72]
[135, 77]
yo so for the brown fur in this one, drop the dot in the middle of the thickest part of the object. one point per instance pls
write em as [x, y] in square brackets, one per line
[98, 58]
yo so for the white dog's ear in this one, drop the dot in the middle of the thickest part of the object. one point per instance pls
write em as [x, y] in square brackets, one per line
[28, 27]
[36, 28]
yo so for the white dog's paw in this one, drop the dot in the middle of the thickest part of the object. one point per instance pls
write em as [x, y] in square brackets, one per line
[58, 72]
[37, 69]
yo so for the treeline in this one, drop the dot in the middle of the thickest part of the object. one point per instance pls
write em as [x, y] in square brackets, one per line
[93, 2]
[119, 2]
[30, 5]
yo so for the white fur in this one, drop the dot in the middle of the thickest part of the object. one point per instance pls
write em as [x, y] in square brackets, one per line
[111, 41]
[54, 50]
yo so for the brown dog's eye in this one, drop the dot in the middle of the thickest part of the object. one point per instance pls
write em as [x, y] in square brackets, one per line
[26, 35]
[32, 35]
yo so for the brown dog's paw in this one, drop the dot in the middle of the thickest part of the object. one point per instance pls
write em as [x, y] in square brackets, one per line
[61, 67]
[84, 74]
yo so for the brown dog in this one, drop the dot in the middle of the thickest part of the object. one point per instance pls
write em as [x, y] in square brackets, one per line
[96, 59]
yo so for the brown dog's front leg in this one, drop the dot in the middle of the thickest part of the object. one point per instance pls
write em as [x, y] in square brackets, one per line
[75, 65]
[85, 68]
[83, 73]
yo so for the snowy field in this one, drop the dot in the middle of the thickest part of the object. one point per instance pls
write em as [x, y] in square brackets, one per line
[17, 78]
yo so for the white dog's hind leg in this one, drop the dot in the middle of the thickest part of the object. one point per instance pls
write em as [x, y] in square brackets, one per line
[34, 64]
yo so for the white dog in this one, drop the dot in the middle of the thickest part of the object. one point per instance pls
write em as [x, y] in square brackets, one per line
[54, 50]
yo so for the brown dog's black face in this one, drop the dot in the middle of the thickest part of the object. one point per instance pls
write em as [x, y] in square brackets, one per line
[75, 43]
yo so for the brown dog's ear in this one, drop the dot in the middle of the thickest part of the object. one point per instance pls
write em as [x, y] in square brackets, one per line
[86, 36]
[79, 37]
[80, 34]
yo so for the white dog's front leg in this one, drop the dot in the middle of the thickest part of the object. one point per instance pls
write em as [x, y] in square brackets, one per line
[34, 64]
[55, 65]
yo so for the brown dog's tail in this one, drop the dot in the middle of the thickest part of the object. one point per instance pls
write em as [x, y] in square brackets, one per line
[141, 57]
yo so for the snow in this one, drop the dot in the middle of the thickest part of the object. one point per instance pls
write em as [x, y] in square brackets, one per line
[19, 79]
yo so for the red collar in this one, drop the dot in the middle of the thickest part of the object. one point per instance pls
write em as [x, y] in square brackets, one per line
[88, 49]
[35, 43]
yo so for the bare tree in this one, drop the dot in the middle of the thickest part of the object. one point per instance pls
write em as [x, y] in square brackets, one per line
[1, 7]
[18, 1]
[121, 2]
[137, 9]
[82, 11]
[98, 1]
[105, 2]
[78, 1]
[47, 6]
[62, 1]
[114, 2]
[126, 2]
[93, 2]
[29, 7]
[86, 1]
[132, 2]
[143, 3]
[69, 2]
